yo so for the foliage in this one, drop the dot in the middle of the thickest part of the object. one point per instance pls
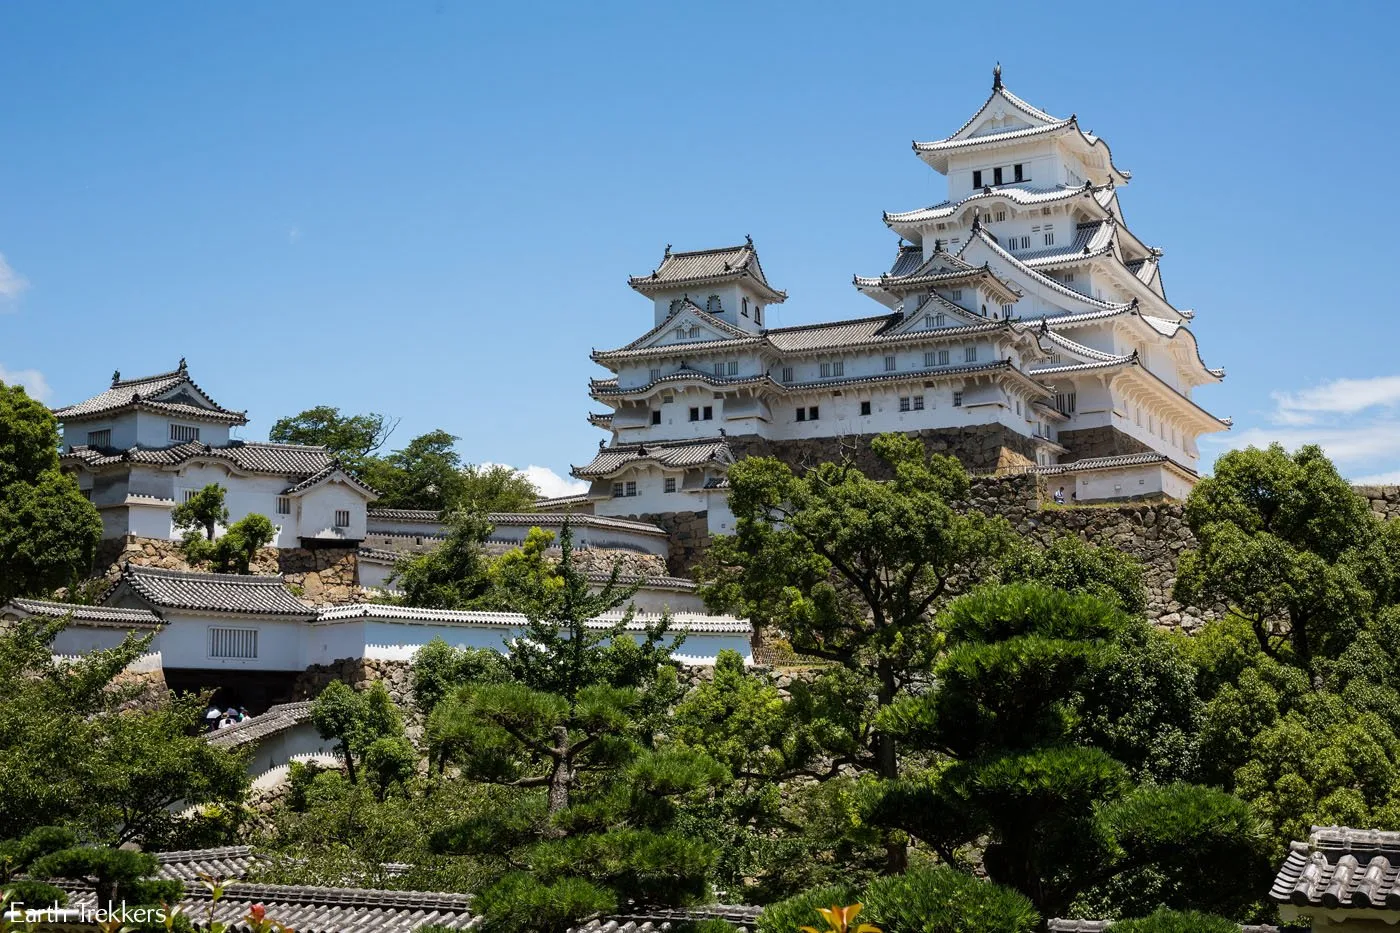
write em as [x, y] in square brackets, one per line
[48, 531]
[802, 909]
[495, 487]
[203, 512]
[351, 439]
[76, 759]
[1172, 921]
[116, 874]
[1054, 817]
[1283, 539]
[850, 568]
[842, 920]
[1071, 564]
[234, 550]
[944, 900]
[357, 720]
[438, 668]
[452, 575]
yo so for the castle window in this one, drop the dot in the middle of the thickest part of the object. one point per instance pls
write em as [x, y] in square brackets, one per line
[957, 399]
[1069, 276]
[996, 175]
[709, 413]
[667, 399]
[787, 374]
[654, 375]
[184, 433]
[977, 178]
[931, 357]
[984, 310]
[1025, 242]
[656, 416]
[713, 305]
[940, 319]
[1001, 215]
[342, 518]
[918, 403]
[889, 364]
[1006, 311]
[1045, 211]
[801, 413]
[757, 314]
[1018, 406]
[731, 368]
[1018, 171]
[904, 403]
[617, 490]
[969, 354]
[942, 357]
[746, 307]
[1065, 403]
[813, 413]
[669, 484]
[957, 294]
[865, 408]
[695, 414]
[1049, 237]
[835, 368]
[237, 643]
[101, 438]
[631, 488]
[284, 505]
[719, 369]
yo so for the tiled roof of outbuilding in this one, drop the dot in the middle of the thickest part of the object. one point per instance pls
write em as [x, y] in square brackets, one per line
[104, 616]
[1340, 868]
[686, 454]
[227, 862]
[708, 267]
[214, 592]
[680, 621]
[291, 460]
[309, 909]
[145, 391]
[663, 921]
[277, 718]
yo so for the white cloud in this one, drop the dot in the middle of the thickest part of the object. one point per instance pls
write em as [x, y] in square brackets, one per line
[550, 484]
[11, 282]
[33, 381]
[1380, 479]
[1341, 396]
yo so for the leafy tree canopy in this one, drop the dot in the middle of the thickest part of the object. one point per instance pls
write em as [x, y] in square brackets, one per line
[351, 439]
[48, 531]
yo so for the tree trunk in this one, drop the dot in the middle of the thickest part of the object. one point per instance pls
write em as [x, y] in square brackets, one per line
[561, 774]
[887, 763]
[349, 762]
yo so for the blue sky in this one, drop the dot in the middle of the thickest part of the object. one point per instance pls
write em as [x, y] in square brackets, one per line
[429, 209]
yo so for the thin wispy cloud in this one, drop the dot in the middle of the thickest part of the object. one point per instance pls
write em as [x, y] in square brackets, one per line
[12, 284]
[549, 483]
[1356, 421]
[33, 381]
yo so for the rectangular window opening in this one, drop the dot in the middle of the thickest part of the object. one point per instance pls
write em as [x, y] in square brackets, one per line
[342, 518]
[669, 485]
[865, 408]
[101, 438]
[234, 643]
[184, 433]
[284, 505]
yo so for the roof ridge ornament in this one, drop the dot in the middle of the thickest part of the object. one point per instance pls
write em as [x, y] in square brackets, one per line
[748, 240]
[183, 368]
[996, 77]
[116, 376]
[668, 252]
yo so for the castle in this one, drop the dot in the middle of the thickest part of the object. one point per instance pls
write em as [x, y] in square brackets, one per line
[1025, 328]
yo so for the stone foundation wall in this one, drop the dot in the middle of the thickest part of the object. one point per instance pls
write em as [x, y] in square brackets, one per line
[978, 447]
[1106, 441]
[690, 536]
[1385, 500]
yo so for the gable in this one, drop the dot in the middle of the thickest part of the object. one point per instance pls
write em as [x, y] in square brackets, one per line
[1003, 112]
[926, 316]
[185, 393]
[690, 325]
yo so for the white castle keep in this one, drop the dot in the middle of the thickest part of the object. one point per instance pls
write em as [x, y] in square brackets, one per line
[1025, 328]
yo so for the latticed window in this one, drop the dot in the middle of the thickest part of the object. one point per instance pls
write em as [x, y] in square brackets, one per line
[101, 438]
[233, 643]
[1065, 403]
[787, 374]
[957, 399]
[284, 505]
[889, 364]
[342, 518]
[969, 354]
[184, 433]
[669, 485]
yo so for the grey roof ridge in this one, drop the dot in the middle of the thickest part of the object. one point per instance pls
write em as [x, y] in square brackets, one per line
[967, 142]
[1028, 109]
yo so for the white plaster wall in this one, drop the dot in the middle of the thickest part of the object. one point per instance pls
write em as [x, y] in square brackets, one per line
[243, 496]
[184, 642]
[279, 748]
[79, 639]
[1143, 480]
[153, 430]
[316, 510]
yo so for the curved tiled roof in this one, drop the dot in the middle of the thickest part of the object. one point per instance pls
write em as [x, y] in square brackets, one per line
[680, 621]
[278, 718]
[290, 460]
[981, 233]
[1340, 868]
[661, 920]
[102, 616]
[604, 387]
[708, 267]
[144, 392]
[952, 143]
[226, 862]
[310, 909]
[214, 592]
[1091, 239]
[675, 455]
[331, 470]
[524, 518]
[1018, 194]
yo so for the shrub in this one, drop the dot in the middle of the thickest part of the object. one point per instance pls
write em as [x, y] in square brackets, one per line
[1175, 921]
[801, 909]
[944, 900]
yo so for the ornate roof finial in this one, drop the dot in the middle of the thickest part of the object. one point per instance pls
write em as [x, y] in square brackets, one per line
[748, 240]
[996, 77]
[668, 249]
[976, 221]
[183, 367]
[116, 376]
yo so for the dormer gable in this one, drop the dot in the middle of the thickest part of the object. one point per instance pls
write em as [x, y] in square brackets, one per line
[1003, 112]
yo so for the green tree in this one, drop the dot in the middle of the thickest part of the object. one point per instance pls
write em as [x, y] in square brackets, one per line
[438, 668]
[1172, 921]
[851, 568]
[571, 726]
[78, 759]
[356, 720]
[1072, 564]
[204, 511]
[1054, 818]
[495, 487]
[453, 575]
[352, 439]
[426, 474]
[1283, 541]
[48, 531]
